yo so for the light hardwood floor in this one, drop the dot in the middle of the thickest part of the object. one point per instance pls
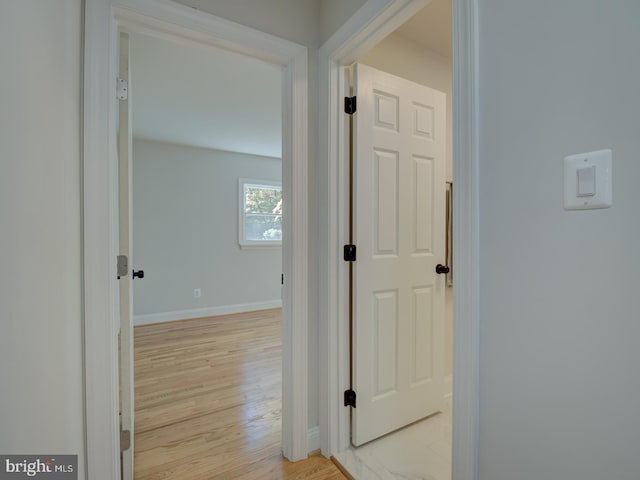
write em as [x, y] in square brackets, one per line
[208, 401]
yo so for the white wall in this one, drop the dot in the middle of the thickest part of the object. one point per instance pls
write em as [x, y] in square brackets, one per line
[185, 232]
[407, 59]
[560, 310]
[295, 20]
[41, 404]
[333, 14]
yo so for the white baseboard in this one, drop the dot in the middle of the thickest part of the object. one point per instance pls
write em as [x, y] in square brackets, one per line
[313, 439]
[448, 386]
[204, 312]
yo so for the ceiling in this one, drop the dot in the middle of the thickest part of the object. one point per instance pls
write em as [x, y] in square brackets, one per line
[205, 97]
[211, 98]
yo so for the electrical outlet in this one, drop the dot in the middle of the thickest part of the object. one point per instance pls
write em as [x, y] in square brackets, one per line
[197, 293]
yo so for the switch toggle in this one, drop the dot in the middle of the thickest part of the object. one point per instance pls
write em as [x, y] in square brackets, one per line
[587, 181]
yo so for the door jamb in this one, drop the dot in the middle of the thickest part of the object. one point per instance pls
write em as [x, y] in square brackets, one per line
[102, 21]
[375, 20]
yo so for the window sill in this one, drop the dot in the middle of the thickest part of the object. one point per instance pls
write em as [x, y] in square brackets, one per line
[260, 246]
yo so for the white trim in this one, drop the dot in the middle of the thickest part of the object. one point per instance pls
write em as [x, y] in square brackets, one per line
[313, 439]
[101, 347]
[367, 27]
[295, 258]
[161, 317]
[260, 246]
[165, 18]
[466, 239]
[448, 386]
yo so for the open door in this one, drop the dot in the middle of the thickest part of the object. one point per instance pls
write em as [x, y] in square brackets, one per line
[124, 270]
[399, 147]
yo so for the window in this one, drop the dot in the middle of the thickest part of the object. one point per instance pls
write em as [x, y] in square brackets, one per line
[260, 213]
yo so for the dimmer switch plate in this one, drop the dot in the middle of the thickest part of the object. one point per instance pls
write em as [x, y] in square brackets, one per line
[588, 180]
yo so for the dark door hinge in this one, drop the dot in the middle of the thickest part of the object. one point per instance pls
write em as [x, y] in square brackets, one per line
[349, 253]
[349, 105]
[350, 398]
[125, 440]
[282, 279]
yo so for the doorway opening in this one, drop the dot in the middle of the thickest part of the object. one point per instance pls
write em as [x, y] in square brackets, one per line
[400, 304]
[104, 20]
[358, 37]
[206, 228]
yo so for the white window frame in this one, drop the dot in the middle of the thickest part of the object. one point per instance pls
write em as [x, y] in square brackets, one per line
[242, 240]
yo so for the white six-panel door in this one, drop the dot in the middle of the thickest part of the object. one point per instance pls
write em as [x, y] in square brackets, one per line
[399, 229]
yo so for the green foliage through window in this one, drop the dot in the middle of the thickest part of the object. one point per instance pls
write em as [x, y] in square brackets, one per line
[262, 212]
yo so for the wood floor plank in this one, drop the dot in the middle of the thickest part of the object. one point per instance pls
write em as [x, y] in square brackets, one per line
[208, 401]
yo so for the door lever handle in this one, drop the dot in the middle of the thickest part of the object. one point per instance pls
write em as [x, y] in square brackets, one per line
[442, 269]
[138, 274]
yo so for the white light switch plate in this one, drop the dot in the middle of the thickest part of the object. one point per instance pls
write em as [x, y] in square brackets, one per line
[601, 161]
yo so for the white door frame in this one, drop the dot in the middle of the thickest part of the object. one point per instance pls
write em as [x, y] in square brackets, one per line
[163, 17]
[374, 21]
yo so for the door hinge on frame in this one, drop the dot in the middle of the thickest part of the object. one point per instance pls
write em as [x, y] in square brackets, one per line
[122, 89]
[350, 105]
[125, 440]
[350, 398]
[349, 253]
[122, 266]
